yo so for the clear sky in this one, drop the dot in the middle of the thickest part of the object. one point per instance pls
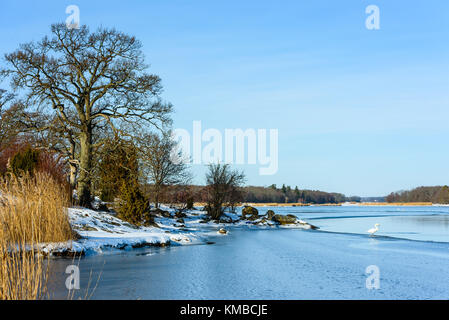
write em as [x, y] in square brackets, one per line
[362, 112]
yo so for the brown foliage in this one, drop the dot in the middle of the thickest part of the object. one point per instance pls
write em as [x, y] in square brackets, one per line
[49, 162]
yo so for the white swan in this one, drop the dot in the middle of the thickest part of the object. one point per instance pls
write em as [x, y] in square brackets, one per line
[372, 231]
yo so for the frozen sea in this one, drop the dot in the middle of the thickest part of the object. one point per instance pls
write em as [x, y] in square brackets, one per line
[411, 252]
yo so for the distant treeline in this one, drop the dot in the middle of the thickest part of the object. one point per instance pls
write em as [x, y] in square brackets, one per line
[271, 194]
[436, 194]
[286, 194]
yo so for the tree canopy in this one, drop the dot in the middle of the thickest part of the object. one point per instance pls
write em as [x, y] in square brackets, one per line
[84, 81]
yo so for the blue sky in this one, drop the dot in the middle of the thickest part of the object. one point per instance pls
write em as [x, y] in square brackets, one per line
[362, 112]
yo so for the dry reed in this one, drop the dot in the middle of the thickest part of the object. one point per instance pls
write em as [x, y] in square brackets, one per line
[33, 210]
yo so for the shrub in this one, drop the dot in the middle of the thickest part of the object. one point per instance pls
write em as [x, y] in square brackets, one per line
[8, 151]
[222, 190]
[118, 164]
[25, 162]
[52, 164]
[132, 205]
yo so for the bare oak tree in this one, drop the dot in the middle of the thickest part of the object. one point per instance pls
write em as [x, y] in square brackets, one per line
[87, 80]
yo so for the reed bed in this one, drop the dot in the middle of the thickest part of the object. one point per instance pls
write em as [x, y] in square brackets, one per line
[33, 210]
[396, 204]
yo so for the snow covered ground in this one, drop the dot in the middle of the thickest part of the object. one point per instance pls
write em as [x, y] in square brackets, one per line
[101, 231]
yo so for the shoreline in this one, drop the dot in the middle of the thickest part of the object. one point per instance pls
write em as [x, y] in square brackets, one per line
[360, 204]
[102, 231]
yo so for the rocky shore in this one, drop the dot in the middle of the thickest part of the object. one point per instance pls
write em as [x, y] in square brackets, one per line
[101, 231]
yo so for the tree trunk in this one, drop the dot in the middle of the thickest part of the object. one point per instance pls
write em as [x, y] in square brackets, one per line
[73, 172]
[72, 164]
[84, 181]
[156, 198]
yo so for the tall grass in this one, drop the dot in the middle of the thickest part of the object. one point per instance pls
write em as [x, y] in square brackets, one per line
[32, 211]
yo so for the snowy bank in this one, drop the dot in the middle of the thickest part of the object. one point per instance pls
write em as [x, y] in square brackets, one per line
[100, 231]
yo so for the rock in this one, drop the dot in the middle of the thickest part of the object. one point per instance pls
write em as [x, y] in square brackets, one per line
[270, 214]
[102, 207]
[222, 231]
[225, 220]
[307, 225]
[262, 221]
[162, 213]
[253, 218]
[180, 214]
[281, 219]
[251, 212]
[180, 220]
[86, 227]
